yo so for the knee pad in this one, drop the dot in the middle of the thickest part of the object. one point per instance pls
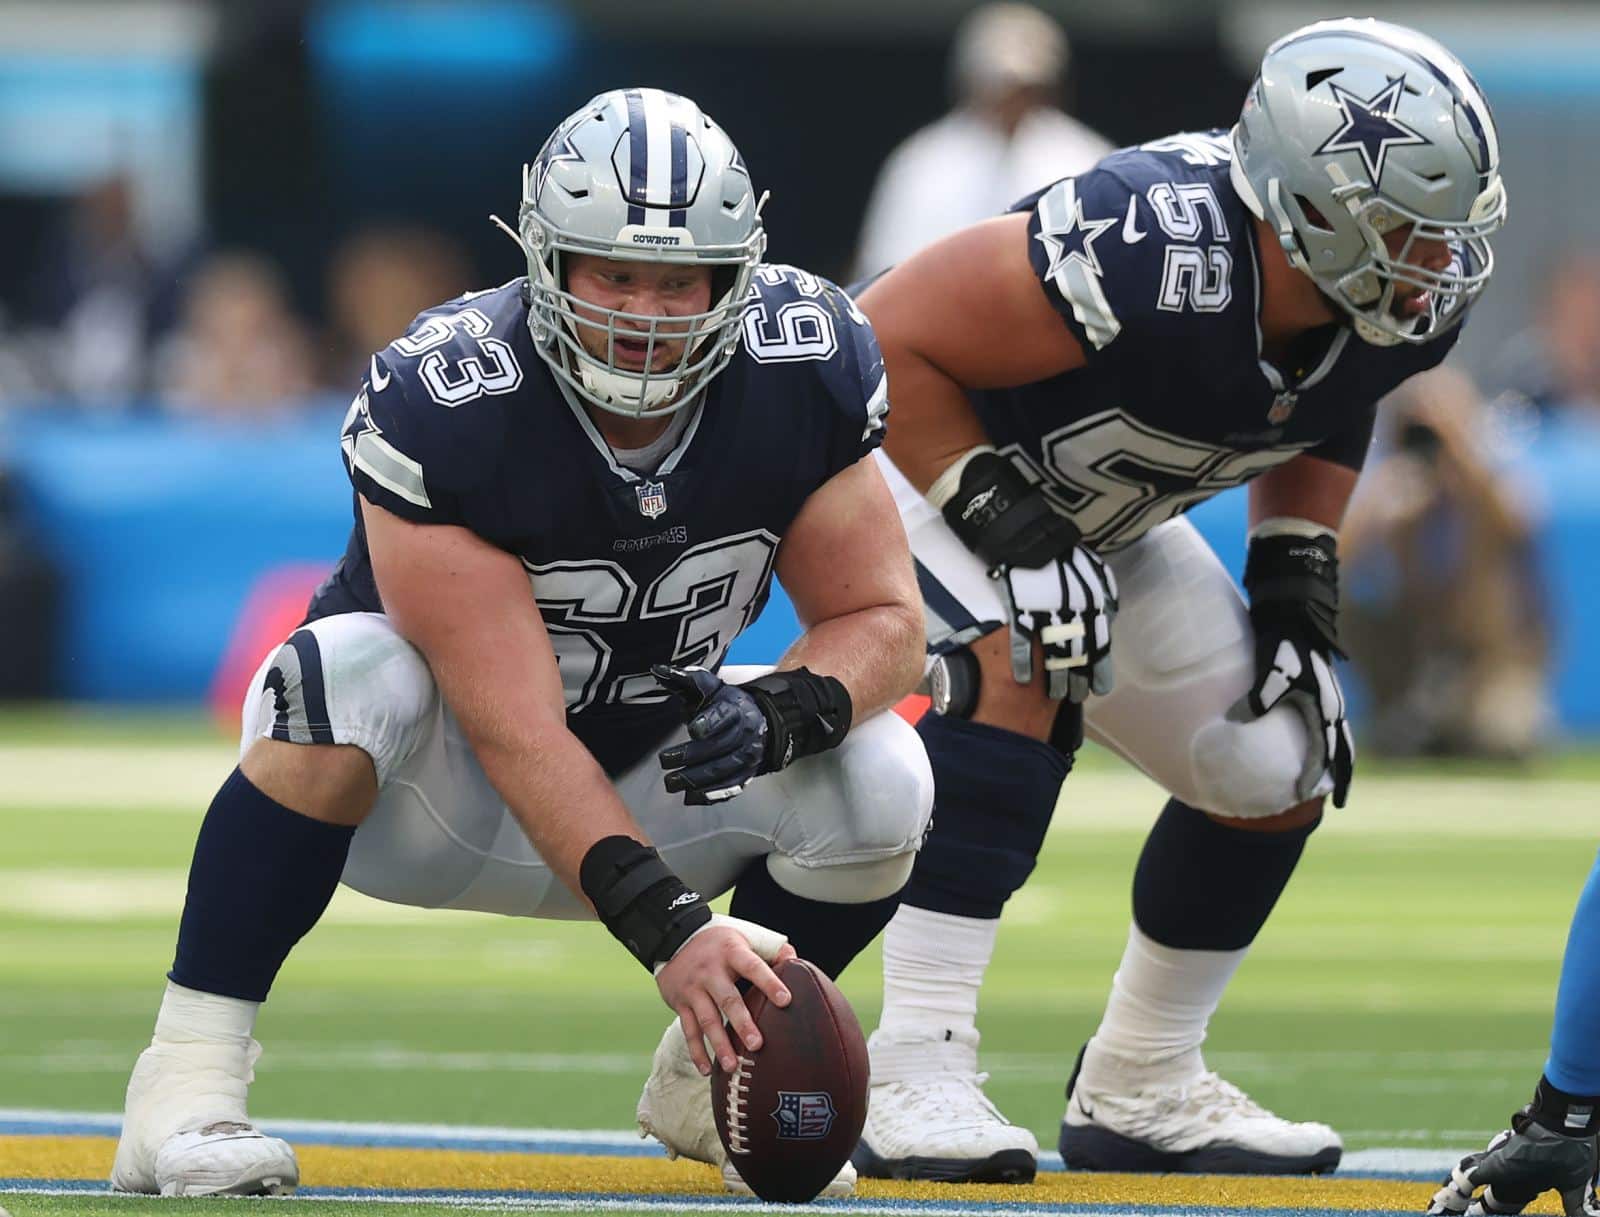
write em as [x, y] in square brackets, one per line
[843, 882]
[860, 809]
[349, 679]
[995, 792]
[1248, 770]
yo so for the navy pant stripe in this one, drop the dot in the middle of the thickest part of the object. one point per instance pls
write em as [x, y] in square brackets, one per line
[312, 692]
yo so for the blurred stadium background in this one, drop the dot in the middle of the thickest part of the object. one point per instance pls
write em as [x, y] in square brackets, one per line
[214, 211]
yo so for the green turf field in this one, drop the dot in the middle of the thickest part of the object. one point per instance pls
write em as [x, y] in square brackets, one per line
[1402, 992]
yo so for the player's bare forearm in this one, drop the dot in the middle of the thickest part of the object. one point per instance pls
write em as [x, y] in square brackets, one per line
[1306, 488]
[847, 568]
[965, 313]
[876, 652]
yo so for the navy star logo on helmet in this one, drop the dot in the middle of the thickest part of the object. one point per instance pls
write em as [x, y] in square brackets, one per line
[1370, 126]
[556, 149]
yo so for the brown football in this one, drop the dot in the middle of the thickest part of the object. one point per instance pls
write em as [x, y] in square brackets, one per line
[791, 1113]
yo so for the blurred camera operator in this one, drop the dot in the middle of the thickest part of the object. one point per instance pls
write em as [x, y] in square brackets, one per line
[1446, 620]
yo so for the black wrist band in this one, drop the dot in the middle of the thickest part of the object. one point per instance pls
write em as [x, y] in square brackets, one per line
[646, 907]
[1005, 519]
[1293, 584]
[805, 713]
[1571, 1115]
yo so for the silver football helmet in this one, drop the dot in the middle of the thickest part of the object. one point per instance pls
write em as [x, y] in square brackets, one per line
[639, 175]
[1356, 128]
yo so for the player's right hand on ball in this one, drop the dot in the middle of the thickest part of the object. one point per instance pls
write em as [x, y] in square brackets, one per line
[1521, 1163]
[1068, 604]
[700, 983]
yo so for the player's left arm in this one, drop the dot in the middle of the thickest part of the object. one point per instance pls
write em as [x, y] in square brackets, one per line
[1292, 578]
[847, 568]
[848, 571]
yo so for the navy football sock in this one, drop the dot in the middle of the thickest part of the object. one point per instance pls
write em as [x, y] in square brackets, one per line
[994, 792]
[822, 932]
[1201, 886]
[261, 876]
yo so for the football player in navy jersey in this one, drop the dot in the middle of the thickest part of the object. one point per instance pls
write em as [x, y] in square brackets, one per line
[1194, 314]
[571, 494]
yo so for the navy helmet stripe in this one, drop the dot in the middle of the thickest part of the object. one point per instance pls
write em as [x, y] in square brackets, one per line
[679, 197]
[638, 156]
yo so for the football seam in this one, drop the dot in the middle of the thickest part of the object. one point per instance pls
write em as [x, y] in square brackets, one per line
[738, 1105]
[838, 1035]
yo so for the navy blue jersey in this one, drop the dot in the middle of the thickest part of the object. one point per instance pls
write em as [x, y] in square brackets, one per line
[1151, 260]
[461, 422]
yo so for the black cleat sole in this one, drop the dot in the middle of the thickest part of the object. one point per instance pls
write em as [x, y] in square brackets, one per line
[1087, 1148]
[1007, 1166]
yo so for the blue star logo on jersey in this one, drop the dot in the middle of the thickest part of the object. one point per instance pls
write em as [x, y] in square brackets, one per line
[1074, 241]
[558, 148]
[1370, 126]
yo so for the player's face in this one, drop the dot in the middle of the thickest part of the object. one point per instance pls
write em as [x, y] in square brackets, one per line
[650, 289]
[1409, 299]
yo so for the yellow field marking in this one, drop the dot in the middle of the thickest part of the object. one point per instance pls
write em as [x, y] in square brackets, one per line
[472, 1170]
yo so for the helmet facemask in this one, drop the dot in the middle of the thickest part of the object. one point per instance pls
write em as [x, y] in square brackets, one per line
[1367, 290]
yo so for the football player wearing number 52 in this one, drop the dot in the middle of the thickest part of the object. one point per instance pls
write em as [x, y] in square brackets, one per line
[1200, 312]
[571, 493]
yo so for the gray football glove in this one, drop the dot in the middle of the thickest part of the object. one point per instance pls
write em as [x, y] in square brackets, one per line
[1524, 1161]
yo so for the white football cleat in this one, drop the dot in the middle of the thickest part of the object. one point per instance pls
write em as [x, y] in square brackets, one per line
[928, 1118]
[1198, 1124]
[675, 1109]
[184, 1127]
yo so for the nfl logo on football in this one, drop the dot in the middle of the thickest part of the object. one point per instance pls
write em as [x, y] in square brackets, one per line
[804, 1115]
[652, 499]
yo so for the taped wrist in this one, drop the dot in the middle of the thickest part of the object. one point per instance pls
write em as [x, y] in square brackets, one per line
[1571, 1115]
[1005, 519]
[805, 713]
[646, 907]
[1293, 583]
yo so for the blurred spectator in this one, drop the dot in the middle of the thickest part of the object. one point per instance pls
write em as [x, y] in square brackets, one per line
[1555, 362]
[238, 349]
[104, 296]
[1445, 614]
[379, 280]
[1005, 137]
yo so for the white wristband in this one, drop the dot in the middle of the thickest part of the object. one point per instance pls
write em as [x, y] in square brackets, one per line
[947, 483]
[1293, 526]
[764, 942]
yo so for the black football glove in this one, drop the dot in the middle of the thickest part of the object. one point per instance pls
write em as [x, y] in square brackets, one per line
[1550, 1146]
[738, 732]
[1293, 581]
[1054, 588]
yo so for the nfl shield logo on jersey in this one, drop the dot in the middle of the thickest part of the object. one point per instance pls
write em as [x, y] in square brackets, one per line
[652, 499]
[1282, 406]
[804, 1115]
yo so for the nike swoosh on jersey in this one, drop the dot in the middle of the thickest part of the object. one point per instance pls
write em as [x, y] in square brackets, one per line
[1132, 234]
[379, 382]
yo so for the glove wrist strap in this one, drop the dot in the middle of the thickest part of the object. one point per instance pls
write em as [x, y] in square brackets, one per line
[1293, 582]
[805, 713]
[1570, 1115]
[1005, 519]
[646, 907]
